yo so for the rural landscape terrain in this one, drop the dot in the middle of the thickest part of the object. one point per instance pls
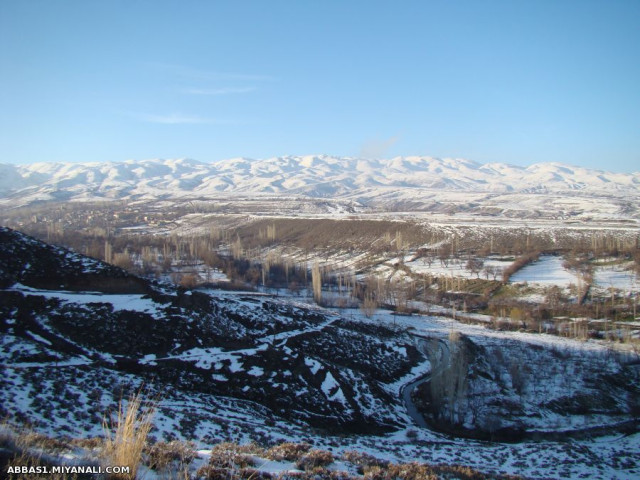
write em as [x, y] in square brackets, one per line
[324, 317]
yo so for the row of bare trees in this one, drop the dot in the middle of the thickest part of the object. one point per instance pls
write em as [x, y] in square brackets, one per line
[449, 376]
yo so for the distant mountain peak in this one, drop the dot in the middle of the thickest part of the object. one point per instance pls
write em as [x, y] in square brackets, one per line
[376, 181]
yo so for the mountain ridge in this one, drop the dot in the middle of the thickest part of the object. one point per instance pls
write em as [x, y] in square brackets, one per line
[365, 181]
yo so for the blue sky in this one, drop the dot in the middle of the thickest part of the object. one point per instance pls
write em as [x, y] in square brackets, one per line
[492, 81]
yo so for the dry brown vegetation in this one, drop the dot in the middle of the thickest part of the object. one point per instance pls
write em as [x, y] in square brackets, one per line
[287, 451]
[27, 448]
[126, 436]
[228, 461]
[278, 252]
[314, 459]
[169, 457]
[519, 263]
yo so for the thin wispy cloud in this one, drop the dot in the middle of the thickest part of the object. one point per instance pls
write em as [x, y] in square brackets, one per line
[197, 74]
[178, 119]
[218, 91]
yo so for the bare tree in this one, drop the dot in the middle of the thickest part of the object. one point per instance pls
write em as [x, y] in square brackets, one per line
[369, 304]
[316, 282]
[456, 378]
[488, 271]
[474, 265]
[108, 252]
[443, 255]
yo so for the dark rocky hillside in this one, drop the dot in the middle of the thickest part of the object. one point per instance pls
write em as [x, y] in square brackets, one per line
[30, 262]
[71, 325]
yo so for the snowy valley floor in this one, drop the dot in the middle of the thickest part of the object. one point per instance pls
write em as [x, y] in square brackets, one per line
[207, 419]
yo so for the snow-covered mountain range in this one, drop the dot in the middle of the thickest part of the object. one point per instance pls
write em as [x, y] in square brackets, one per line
[420, 183]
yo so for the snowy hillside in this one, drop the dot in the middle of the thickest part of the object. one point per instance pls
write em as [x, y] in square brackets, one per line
[78, 334]
[407, 183]
[57, 306]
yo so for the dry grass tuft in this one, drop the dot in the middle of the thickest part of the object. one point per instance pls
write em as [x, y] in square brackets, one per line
[404, 471]
[233, 456]
[287, 451]
[315, 459]
[126, 438]
[29, 439]
[92, 443]
[363, 460]
[170, 455]
[21, 446]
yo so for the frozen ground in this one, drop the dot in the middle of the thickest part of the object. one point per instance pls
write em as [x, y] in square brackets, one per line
[69, 392]
[612, 457]
[618, 276]
[547, 270]
[455, 267]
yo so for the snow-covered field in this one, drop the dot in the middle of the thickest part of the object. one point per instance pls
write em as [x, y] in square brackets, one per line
[547, 270]
[130, 302]
[618, 276]
[456, 267]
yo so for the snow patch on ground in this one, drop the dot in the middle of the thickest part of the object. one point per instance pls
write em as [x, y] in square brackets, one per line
[547, 270]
